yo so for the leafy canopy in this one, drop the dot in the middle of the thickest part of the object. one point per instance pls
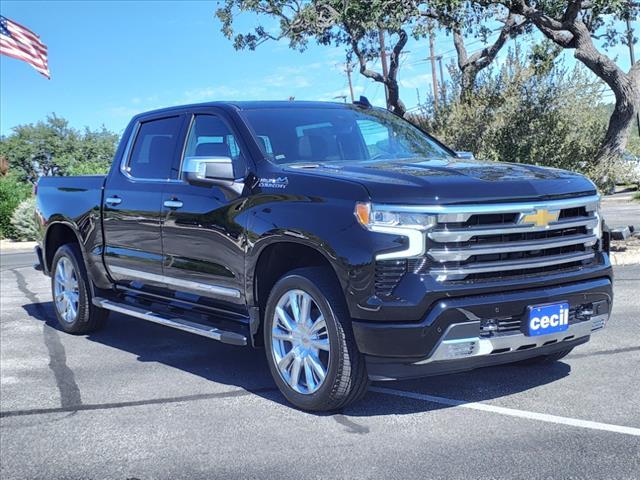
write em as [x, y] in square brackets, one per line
[52, 147]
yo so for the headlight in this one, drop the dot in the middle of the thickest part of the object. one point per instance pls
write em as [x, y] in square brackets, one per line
[598, 228]
[396, 220]
[371, 216]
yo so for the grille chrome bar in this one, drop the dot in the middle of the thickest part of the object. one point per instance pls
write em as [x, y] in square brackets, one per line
[454, 273]
[466, 234]
[462, 254]
[589, 202]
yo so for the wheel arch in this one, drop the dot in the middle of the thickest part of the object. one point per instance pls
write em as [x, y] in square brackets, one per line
[273, 261]
[57, 234]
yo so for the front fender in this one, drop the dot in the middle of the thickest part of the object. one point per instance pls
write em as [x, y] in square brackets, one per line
[328, 226]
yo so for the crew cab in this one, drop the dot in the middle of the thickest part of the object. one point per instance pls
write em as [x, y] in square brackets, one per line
[343, 240]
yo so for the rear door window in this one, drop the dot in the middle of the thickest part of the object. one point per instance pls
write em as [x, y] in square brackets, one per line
[154, 149]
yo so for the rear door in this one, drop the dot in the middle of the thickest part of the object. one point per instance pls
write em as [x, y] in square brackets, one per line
[133, 199]
[203, 226]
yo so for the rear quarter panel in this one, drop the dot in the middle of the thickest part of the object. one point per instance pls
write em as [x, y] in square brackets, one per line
[74, 202]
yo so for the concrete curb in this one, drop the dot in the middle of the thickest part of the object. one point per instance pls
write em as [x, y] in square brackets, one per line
[625, 258]
[9, 246]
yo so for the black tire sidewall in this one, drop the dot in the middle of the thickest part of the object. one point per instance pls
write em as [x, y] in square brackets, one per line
[323, 394]
[70, 252]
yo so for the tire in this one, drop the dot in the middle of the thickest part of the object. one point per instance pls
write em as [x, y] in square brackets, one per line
[85, 317]
[546, 359]
[345, 380]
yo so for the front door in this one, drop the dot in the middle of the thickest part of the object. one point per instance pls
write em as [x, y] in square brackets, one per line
[203, 233]
[133, 199]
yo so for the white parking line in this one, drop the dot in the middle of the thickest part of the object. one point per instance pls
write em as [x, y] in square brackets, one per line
[512, 412]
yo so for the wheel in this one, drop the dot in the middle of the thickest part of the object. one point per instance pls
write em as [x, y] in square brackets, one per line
[542, 359]
[309, 342]
[72, 293]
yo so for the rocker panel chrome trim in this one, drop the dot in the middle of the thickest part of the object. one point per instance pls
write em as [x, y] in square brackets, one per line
[178, 282]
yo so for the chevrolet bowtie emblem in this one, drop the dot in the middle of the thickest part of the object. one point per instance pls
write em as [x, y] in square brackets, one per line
[540, 218]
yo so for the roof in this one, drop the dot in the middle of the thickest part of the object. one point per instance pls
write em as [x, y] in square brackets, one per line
[249, 105]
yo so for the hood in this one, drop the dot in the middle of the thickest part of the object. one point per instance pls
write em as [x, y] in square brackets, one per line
[449, 181]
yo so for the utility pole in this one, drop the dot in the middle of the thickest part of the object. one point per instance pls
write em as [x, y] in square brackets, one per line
[383, 61]
[443, 85]
[349, 69]
[434, 75]
[633, 60]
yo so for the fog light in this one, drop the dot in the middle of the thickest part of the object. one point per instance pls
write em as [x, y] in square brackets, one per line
[461, 348]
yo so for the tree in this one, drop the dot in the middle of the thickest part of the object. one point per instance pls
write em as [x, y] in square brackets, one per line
[53, 148]
[355, 24]
[468, 19]
[530, 110]
[574, 25]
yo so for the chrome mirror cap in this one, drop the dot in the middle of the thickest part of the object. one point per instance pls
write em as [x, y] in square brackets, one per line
[208, 170]
[465, 155]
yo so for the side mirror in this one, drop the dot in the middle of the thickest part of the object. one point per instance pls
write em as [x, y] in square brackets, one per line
[465, 155]
[208, 171]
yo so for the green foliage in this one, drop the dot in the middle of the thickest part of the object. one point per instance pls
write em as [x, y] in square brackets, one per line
[523, 113]
[327, 22]
[23, 221]
[53, 148]
[12, 193]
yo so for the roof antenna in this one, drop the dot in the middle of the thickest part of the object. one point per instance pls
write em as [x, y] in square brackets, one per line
[363, 102]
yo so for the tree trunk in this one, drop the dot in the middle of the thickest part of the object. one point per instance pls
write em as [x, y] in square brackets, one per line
[395, 104]
[468, 82]
[623, 116]
[626, 88]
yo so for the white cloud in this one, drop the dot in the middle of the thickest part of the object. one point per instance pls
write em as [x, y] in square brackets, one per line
[333, 95]
[416, 81]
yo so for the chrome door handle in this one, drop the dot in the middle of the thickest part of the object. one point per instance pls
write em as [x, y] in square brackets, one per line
[173, 203]
[113, 201]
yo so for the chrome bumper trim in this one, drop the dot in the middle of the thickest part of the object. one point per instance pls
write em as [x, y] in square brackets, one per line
[504, 344]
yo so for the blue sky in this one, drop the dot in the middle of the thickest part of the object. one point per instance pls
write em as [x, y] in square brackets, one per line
[110, 60]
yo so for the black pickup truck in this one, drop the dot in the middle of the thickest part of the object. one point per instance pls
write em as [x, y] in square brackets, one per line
[347, 243]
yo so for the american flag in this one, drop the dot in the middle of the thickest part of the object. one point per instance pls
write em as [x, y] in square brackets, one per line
[19, 42]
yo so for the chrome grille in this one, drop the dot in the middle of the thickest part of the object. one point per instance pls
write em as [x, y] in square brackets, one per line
[479, 241]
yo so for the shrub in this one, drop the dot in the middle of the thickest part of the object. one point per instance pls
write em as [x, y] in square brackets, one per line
[12, 193]
[24, 222]
[520, 113]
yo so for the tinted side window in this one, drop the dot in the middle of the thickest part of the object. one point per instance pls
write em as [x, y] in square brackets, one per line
[154, 148]
[211, 137]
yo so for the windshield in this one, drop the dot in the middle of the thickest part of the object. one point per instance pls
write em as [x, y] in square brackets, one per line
[303, 135]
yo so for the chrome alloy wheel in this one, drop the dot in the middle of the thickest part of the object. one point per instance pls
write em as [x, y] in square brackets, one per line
[66, 291]
[300, 342]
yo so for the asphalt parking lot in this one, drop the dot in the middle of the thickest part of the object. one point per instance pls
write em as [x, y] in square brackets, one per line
[138, 400]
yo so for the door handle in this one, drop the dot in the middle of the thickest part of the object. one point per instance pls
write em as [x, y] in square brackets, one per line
[111, 201]
[173, 203]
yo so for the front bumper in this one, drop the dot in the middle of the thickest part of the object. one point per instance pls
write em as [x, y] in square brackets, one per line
[450, 339]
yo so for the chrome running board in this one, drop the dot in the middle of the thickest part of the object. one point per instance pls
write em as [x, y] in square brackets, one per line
[208, 331]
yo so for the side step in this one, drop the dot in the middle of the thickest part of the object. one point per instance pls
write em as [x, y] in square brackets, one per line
[231, 338]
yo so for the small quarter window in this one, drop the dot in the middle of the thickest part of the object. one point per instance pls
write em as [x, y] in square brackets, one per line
[154, 149]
